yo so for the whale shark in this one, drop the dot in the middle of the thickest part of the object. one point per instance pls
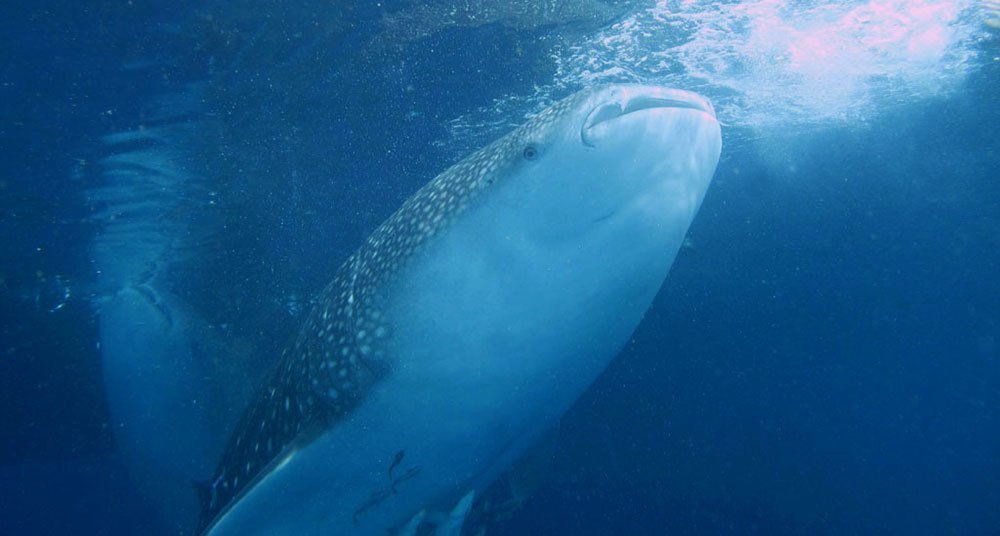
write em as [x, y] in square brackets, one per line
[469, 321]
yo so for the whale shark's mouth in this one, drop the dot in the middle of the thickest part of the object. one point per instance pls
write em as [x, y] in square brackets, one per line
[622, 105]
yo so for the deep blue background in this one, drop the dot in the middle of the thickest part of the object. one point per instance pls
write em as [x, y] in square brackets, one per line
[825, 358]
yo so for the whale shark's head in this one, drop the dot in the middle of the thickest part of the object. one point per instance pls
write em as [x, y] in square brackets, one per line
[608, 152]
[607, 155]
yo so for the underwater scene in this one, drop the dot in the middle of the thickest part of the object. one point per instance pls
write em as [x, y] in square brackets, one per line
[500, 267]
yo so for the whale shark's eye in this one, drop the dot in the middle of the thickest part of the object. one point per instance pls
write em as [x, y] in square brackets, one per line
[530, 153]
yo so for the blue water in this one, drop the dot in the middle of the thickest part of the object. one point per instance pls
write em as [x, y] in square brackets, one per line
[824, 357]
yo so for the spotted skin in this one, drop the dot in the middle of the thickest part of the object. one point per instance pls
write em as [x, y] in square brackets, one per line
[339, 352]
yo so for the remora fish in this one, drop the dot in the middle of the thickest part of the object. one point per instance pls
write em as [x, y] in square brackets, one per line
[471, 319]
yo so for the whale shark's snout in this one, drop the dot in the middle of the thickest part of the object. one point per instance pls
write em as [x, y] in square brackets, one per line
[619, 101]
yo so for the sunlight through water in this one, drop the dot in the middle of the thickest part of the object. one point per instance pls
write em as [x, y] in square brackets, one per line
[771, 63]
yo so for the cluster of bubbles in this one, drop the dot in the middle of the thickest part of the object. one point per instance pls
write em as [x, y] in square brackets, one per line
[991, 10]
[771, 63]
